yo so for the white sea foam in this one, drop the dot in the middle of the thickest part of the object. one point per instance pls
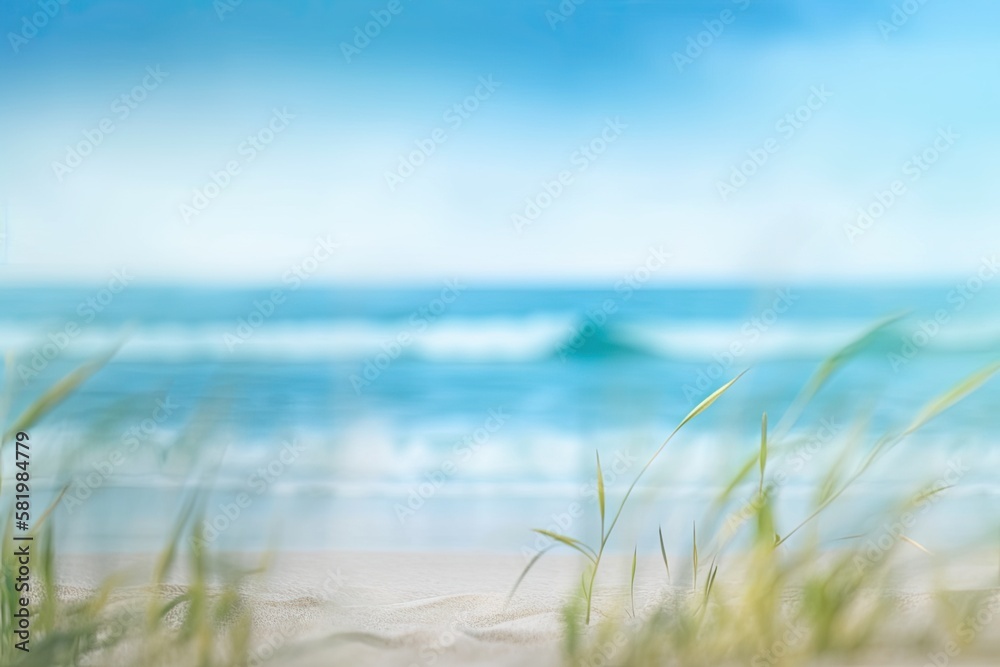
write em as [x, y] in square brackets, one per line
[481, 339]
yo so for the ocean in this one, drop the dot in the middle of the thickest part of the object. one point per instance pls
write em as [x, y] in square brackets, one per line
[458, 416]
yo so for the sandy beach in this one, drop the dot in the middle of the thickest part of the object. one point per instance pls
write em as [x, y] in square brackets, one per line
[423, 609]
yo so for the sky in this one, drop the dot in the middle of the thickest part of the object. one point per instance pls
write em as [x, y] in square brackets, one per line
[497, 141]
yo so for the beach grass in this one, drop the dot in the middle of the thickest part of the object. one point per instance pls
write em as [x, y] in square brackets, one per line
[789, 602]
[204, 624]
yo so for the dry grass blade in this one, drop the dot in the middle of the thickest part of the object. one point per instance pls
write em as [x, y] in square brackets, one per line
[916, 544]
[600, 492]
[930, 493]
[694, 556]
[635, 555]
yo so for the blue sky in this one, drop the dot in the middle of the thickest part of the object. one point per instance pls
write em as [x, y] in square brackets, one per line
[891, 90]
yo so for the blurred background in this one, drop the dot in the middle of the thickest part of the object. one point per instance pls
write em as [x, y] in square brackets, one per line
[386, 274]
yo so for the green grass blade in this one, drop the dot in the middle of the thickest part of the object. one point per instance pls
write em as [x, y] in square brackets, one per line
[828, 368]
[570, 542]
[712, 398]
[736, 480]
[880, 448]
[167, 557]
[951, 397]
[701, 407]
[48, 510]
[763, 451]
[929, 412]
[524, 572]
[56, 394]
[841, 356]
[713, 569]
[663, 552]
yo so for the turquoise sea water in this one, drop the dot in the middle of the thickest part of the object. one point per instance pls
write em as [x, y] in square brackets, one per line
[459, 417]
